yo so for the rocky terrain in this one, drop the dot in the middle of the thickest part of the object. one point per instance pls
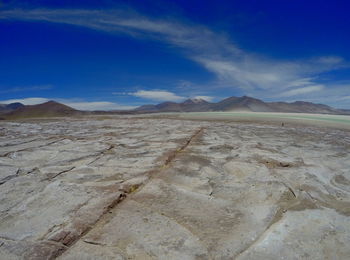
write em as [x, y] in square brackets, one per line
[155, 188]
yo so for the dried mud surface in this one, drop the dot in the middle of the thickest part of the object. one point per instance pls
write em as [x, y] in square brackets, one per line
[148, 188]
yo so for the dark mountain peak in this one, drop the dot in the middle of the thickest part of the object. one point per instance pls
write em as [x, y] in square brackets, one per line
[52, 102]
[301, 103]
[47, 109]
[233, 98]
[189, 105]
[239, 99]
[194, 101]
[166, 104]
[249, 99]
[14, 105]
[146, 108]
[305, 103]
[53, 106]
[243, 103]
[7, 108]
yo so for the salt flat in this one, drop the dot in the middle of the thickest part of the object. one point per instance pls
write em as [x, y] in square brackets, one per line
[173, 188]
[322, 120]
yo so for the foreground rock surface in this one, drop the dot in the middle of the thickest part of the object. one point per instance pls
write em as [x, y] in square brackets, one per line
[132, 188]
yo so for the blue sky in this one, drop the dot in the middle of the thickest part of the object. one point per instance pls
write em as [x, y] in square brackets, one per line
[121, 54]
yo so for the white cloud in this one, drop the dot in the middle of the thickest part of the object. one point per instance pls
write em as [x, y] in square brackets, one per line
[26, 101]
[300, 82]
[158, 95]
[331, 60]
[300, 91]
[344, 98]
[99, 105]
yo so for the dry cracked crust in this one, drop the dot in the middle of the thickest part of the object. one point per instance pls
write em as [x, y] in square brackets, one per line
[129, 188]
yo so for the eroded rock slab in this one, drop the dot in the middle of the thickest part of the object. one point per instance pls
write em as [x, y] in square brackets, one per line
[129, 188]
[59, 178]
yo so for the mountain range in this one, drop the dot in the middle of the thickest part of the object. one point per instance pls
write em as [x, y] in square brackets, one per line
[234, 104]
[241, 104]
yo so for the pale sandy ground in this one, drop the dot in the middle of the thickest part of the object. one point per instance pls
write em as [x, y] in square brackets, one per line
[166, 187]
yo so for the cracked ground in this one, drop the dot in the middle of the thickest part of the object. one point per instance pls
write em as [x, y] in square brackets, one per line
[142, 188]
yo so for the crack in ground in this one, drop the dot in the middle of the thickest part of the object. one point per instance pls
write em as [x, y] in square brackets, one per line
[10, 177]
[281, 211]
[94, 243]
[7, 154]
[69, 239]
[58, 174]
[173, 154]
[72, 239]
[17, 174]
[276, 219]
[111, 146]
[26, 142]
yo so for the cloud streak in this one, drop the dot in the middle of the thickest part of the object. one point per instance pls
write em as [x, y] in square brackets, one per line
[25, 101]
[157, 95]
[301, 91]
[25, 89]
[97, 105]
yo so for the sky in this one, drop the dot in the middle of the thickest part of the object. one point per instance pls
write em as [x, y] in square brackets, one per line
[108, 55]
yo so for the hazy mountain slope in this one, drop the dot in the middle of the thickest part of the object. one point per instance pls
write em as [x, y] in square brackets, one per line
[48, 109]
[147, 108]
[242, 104]
[302, 107]
[196, 105]
[189, 105]
[6, 108]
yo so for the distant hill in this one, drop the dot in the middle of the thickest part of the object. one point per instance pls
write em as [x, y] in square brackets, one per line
[6, 108]
[242, 104]
[347, 111]
[47, 109]
[303, 107]
[189, 105]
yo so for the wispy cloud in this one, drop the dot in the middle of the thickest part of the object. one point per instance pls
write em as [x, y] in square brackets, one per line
[26, 101]
[344, 98]
[301, 91]
[231, 66]
[157, 95]
[336, 95]
[98, 105]
[24, 89]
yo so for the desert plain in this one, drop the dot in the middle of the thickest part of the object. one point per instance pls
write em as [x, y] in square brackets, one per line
[176, 186]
